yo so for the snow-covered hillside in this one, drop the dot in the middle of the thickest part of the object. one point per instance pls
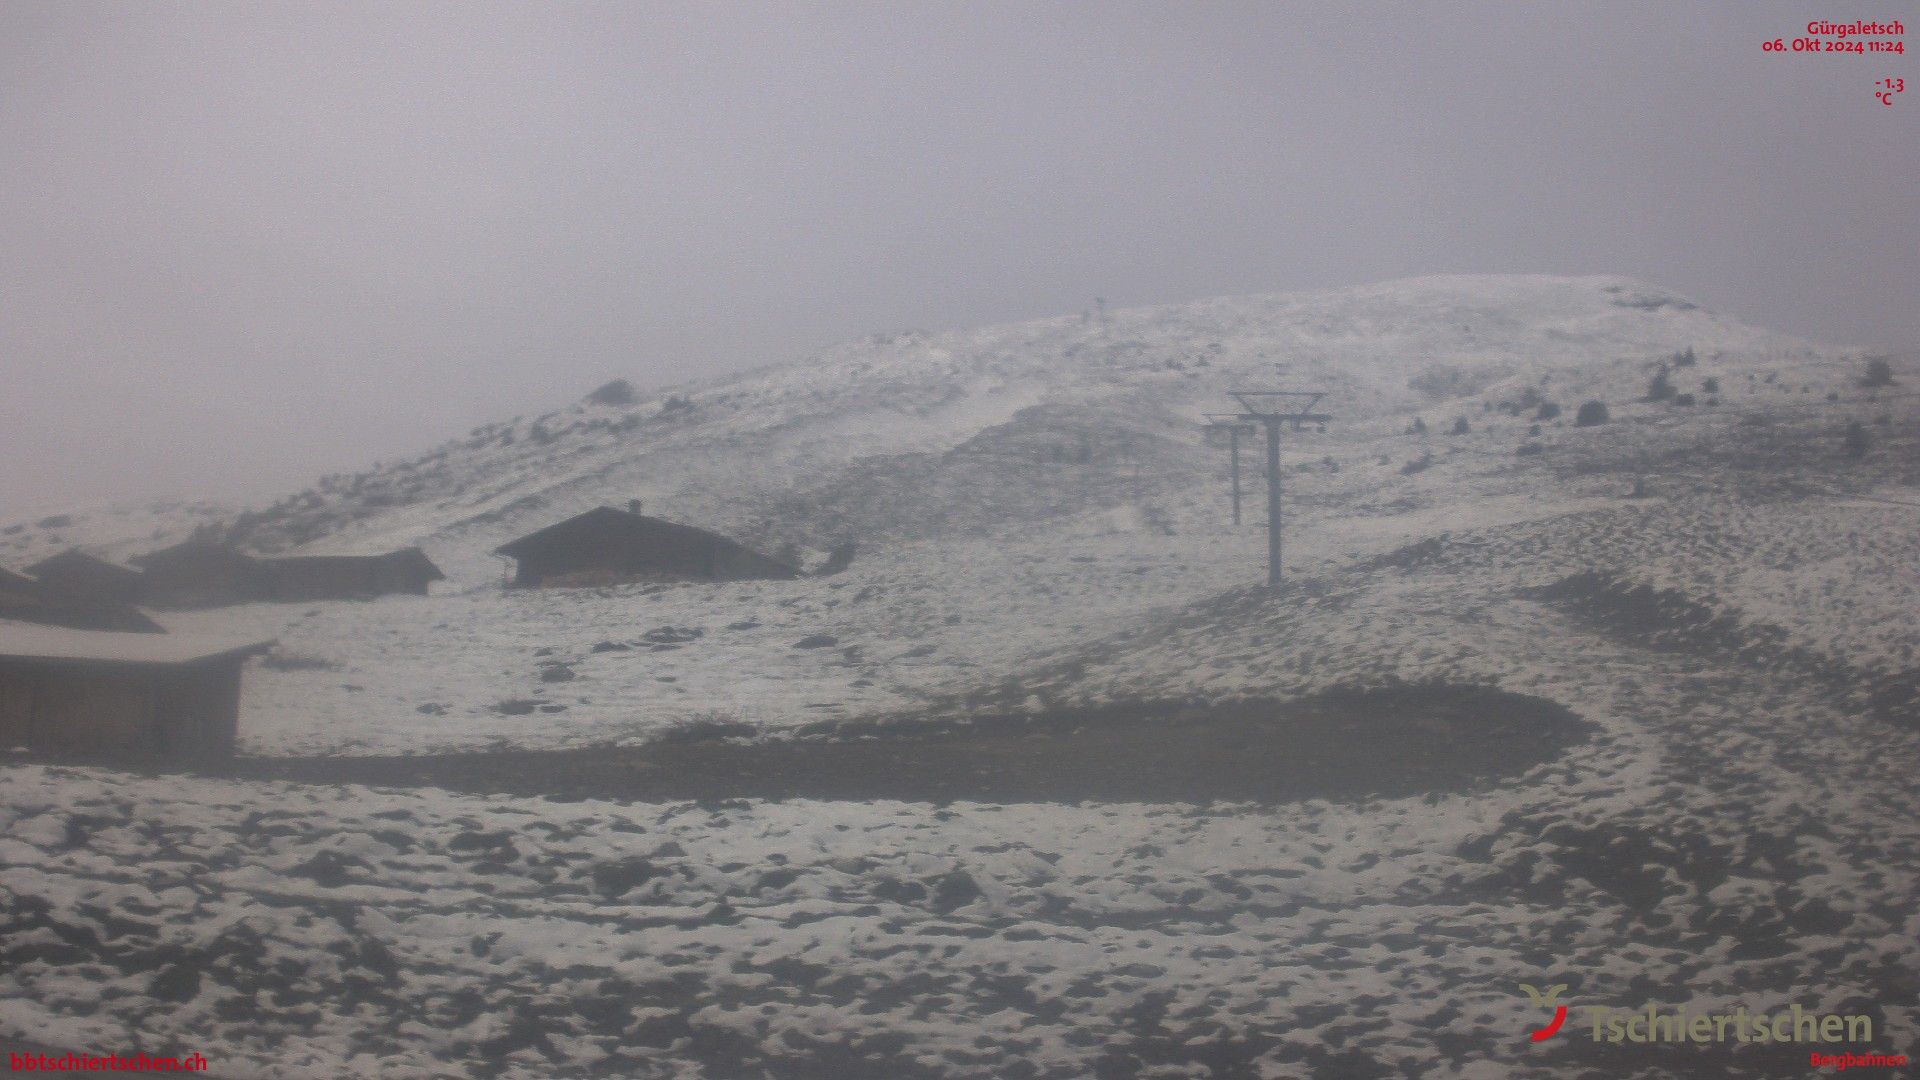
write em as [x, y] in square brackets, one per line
[880, 435]
[1018, 493]
[1722, 585]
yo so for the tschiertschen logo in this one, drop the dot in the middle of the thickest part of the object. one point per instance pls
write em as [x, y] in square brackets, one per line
[1547, 1001]
[1655, 1023]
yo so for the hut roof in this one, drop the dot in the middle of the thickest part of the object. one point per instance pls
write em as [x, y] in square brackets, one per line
[416, 559]
[412, 558]
[606, 521]
[75, 559]
[32, 641]
[28, 599]
[193, 551]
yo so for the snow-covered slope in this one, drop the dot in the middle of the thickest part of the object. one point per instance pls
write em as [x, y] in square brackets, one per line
[777, 454]
[1018, 493]
[1721, 589]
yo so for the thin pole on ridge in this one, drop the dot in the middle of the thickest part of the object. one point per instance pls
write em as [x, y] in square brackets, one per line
[1235, 426]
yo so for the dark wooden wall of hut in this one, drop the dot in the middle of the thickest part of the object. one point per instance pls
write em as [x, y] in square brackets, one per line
[346, 577]
[613, 556]
[96, 709]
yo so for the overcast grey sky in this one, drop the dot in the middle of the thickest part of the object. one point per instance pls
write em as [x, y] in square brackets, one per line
[249, 244]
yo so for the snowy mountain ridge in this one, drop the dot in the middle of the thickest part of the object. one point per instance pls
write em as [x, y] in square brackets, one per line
[774, 454]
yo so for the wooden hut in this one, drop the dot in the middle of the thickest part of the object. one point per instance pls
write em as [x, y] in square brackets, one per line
[606, 545]
[75, 575]
[28, 599]
[105, 694]
[198, 573]
[348, 577]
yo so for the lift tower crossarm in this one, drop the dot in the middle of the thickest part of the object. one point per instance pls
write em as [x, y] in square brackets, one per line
[1273, 409]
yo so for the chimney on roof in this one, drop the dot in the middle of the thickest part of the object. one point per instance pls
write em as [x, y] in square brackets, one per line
[633, 507]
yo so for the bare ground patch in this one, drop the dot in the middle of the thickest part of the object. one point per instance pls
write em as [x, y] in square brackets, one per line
[1340, 745]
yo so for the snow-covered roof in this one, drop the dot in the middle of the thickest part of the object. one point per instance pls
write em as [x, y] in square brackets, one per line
[32, 641]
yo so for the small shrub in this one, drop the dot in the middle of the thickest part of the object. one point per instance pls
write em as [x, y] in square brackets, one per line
[1858, 441]
[1709, 385]
[1879, 373]
[1418, 427]
[1685, 358]
[1548, 411]
[1419, 464]
[1683, 399]
[1528, 449]
[1660, 388]
[1591, 414]
[1461, 427]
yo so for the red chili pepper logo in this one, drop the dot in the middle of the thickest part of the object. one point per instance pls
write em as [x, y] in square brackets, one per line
[1546, 1001]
